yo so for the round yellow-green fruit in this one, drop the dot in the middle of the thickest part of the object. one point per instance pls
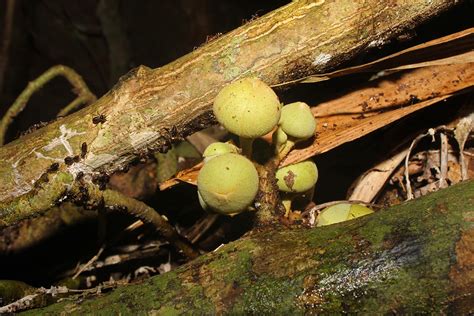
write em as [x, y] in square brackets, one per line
[228, 183]
[247, 107]
[217, 149]
[341, 212]
[297, 120]
[297, 178]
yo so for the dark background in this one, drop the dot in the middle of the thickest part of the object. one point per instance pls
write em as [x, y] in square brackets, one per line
[150, 32]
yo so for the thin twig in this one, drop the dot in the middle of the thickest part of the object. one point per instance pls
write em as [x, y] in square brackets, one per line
[79, 87]
[147, 214]
[468, 153]
[200, 228]
[431, 132]
[90, 262]
[443, 166]
[23, 303]
[31, 301]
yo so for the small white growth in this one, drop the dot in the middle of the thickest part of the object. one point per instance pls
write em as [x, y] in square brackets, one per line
[432, 133]
[322, 59]
[62, 198]
[164, 267]
[41, 156]
[63, 140]
[377, 43]
[179, 98]
[378, 75]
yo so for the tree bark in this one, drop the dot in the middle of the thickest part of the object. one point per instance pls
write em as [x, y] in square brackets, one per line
[415, 258]
[148, 109]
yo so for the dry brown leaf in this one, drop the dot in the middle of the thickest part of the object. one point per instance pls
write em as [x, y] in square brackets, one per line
[372, 181]
[187, 176]
[365, 110]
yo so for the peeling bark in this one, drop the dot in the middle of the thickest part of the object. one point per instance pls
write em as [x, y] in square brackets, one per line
[150, 108]
[415, 258]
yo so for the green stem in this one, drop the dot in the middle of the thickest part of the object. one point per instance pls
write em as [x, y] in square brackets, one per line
[285, 149]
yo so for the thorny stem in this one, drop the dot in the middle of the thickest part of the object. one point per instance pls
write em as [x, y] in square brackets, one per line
[80, 88]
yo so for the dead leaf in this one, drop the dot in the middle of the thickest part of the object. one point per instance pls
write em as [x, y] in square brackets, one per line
[370, 184]
[188, 176]
[367, 109]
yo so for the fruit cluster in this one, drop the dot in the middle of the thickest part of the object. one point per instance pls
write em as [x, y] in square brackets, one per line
[228, 182]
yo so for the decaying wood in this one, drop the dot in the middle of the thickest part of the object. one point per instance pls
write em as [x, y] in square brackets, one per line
[148, 109]
[415, 258]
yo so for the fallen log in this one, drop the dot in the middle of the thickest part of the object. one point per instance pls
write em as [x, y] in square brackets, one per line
[415, 258]
[150, 108]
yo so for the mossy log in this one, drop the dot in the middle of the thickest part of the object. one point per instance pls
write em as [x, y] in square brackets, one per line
[415, 258]
[150, 108]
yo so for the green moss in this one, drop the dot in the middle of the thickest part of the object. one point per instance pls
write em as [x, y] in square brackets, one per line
[375, 231]
[166, 311]
[11, 290]
[269, 296]
[155, 294]
[396, 261]
[410, 257]
[235, 272]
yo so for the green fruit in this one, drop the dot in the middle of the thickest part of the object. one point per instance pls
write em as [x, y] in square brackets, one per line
[297, 178]
[341, 212]
[248, 108]
[297, 120]
[217, 149]
[228, 183]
